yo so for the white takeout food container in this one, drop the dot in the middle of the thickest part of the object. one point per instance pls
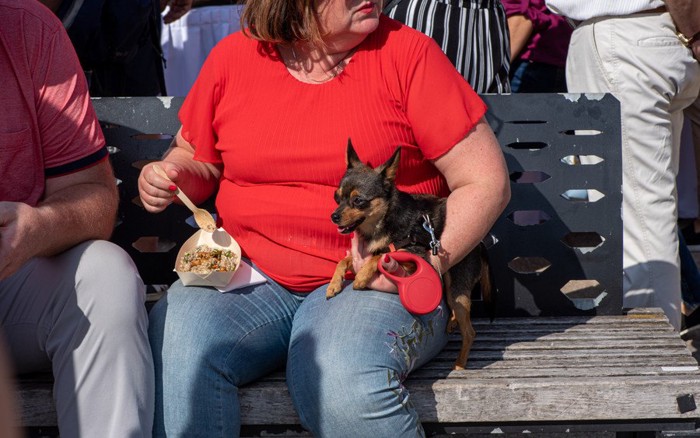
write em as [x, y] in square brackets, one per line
[218, 239]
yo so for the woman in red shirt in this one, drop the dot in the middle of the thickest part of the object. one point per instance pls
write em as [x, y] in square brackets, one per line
[266, 126]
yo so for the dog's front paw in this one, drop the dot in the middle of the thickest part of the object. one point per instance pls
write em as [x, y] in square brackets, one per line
[360, 284]
[334, 289]
[366, 274]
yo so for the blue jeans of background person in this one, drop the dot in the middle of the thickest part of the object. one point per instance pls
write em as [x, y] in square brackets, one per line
[537, 77]
[690, 276]
[346, 358]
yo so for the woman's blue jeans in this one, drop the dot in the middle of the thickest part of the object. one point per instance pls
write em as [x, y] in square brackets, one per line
[346, 358]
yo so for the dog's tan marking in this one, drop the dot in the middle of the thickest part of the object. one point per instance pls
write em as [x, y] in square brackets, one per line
[376, 211]
[350, 216]
[462, 313]
[378, 245]
[366, 273]
[336, 284]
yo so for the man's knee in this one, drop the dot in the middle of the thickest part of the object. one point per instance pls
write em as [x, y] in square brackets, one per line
[108, 287]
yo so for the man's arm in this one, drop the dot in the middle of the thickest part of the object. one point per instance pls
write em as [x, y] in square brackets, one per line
[520, 28]
[686, 16]
[76, 207]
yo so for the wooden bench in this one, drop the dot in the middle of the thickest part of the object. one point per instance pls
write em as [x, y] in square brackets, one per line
[561, 356]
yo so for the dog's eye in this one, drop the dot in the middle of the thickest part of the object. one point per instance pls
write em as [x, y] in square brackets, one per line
[359, 203]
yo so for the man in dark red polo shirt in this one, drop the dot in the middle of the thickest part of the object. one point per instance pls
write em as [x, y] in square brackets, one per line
[70, 301]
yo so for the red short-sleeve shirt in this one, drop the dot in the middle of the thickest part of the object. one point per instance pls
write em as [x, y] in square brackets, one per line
[282, 142]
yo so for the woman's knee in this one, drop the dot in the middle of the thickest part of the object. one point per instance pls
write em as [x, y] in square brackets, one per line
[348, 360]
[347, 400]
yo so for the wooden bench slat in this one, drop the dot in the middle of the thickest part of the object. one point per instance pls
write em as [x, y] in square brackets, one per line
[544, 371]
[509, 400]
[621, 398]
[621, 331]
[573, 344]
[569, 363]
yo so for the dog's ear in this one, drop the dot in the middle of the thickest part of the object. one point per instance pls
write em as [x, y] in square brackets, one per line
[351, 158]
[388, 170]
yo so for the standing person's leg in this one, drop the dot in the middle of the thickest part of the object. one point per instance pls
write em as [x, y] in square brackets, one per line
[692, 114]
[206, 344]
[348, 358]
[640, 61]
[82, 314]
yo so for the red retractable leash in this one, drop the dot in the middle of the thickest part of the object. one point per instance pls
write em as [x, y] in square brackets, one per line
[421, 292]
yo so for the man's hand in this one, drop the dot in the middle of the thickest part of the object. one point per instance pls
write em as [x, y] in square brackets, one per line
[18, 228]
[178, 8]
[686, 17]
[76, 207]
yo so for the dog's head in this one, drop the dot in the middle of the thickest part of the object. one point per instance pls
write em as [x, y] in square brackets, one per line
[364, 194]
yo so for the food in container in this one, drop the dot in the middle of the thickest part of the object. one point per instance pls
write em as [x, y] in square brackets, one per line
[208, 259]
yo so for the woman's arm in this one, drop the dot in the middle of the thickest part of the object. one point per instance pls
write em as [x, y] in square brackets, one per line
[476, 173]
[198, 180]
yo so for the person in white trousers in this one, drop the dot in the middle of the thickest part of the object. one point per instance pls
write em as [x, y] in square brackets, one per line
[631, 49]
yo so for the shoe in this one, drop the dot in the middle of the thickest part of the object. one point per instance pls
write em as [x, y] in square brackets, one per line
[692, 341]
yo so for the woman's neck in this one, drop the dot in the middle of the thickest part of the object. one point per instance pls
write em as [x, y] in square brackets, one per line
[315, 65]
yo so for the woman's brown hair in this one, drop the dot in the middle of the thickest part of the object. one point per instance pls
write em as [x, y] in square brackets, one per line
[281, 21]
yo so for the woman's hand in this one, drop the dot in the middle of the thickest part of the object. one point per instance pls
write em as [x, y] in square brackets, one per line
[197, 179]
[156, 192]
[380, 282]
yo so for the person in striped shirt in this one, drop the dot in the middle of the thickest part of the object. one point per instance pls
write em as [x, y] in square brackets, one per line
[472, 33]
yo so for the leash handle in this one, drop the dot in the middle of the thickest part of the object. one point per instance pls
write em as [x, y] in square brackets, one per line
[420, 292]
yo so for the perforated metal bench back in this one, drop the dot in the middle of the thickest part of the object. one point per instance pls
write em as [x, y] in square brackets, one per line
[572, 240]
[532, 264]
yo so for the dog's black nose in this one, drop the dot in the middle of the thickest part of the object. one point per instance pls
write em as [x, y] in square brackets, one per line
[335, 217]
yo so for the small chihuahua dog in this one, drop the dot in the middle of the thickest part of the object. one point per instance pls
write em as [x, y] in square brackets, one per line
[370, 204]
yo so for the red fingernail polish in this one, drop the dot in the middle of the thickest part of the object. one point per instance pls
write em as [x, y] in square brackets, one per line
[172, 188]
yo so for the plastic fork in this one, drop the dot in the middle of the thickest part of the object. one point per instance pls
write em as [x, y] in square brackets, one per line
[203, 218]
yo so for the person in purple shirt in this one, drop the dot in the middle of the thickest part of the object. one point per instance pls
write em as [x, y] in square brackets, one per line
[539, 41]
